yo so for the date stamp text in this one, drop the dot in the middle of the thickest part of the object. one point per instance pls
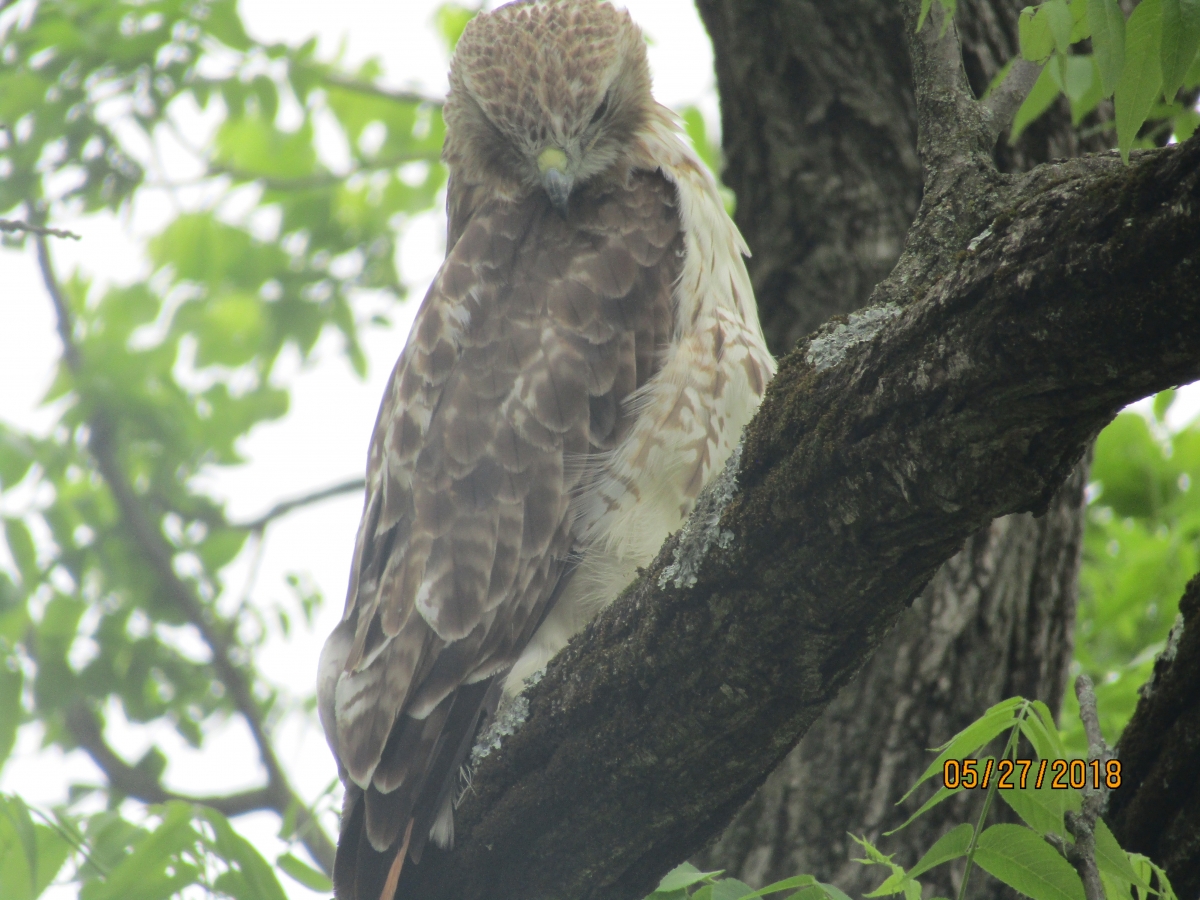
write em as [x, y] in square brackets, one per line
[1012, 774]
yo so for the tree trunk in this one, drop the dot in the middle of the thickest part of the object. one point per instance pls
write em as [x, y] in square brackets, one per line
[820, 130]
[1156, 810]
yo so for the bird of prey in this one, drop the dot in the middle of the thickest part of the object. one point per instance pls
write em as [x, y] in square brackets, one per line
[585, 359]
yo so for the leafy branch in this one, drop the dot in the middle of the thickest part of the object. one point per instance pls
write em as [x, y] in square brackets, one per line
[158, 555]
[1082, 825]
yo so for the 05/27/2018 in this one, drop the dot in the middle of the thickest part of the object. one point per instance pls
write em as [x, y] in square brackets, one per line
[1013, 774]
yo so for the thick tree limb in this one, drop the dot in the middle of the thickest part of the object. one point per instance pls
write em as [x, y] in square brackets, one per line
[882, 444]
[1156, 810]
[159, 558]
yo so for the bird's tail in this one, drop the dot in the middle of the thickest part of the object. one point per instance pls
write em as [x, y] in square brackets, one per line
[393, 876]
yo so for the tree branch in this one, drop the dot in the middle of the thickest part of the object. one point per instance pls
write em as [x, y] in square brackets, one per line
[1002, 103]
[1082, 825]
[159, 557]
[143, 786]
[283, 507]
[374, 90]
[11, 225]
[322, 180]
[951, 123]
[881, 445]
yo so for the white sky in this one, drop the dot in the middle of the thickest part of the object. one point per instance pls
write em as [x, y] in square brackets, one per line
[323, 439]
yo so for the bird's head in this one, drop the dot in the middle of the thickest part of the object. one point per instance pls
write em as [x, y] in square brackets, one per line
[546, 95]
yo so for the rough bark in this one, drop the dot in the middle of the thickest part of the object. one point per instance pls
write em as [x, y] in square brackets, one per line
[1156, 811]
[820, 133]
[994, 622]
[1024, 314]
[820, 141]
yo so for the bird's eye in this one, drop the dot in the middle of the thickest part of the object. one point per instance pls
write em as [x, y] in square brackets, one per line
[600, 110]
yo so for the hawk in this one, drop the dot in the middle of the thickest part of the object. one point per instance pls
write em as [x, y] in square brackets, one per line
[585, 359]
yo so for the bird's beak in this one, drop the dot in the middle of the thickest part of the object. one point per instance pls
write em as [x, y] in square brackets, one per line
[552, 163]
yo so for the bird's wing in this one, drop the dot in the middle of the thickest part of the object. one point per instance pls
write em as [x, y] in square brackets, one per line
[510, 390]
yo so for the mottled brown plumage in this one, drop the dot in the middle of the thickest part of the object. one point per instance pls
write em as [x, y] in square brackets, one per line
[585, 358]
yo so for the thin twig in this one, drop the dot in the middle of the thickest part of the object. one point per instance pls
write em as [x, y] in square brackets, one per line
[283, 507]
[323, 179]
[30, 228]
[1082, 824]
[159, 557]
[373, 90]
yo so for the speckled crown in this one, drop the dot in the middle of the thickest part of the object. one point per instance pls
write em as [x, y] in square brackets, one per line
[537, 65]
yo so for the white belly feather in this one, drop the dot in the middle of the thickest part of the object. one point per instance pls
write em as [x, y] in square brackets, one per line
[689, 415]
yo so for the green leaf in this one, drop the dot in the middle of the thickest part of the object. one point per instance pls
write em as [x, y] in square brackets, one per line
[942, 793]
[251, 147]
[1107, 24]
[683, 876]
[1061, 23]
[1043, 93]
[1041, 808]
[11, 682]
[972, 738]
[16, 457]
[304, 873]
[1092, 96]
[1080, 28]
[1180, 41]
[1185, 124]
[926, 5]
[1034, 34]
[951, 845]
[143, 874]
[1022, 860]
[1073, 75]
[220, 547]
[730, 889]
[1162, 403]
[450, 19]
[30, 854]
[24, 554]
[225, 25]
[14, 814]
[1042, 733]
[796, 881]
[254, 878]
[1112, 860]
[1141, 76]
